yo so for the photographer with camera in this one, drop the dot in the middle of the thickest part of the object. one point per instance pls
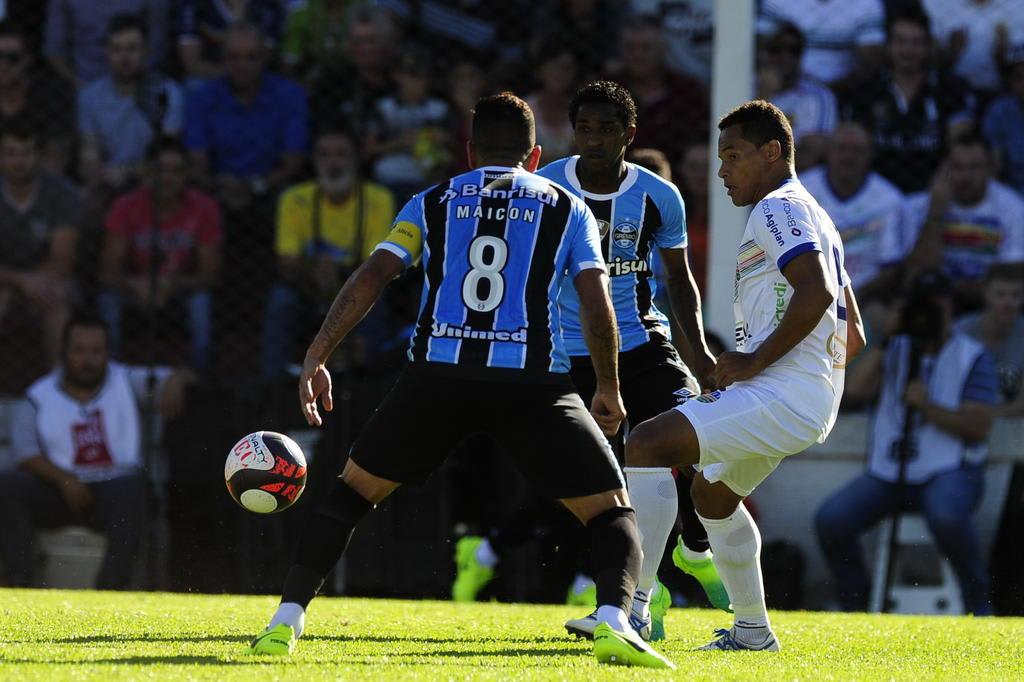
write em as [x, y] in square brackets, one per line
[326, 227]
[937, 394]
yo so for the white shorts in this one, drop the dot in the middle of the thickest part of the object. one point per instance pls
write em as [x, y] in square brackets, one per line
[745, 431]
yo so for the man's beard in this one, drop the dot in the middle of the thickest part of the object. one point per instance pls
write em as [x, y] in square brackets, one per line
[338, 183]
[86, 381]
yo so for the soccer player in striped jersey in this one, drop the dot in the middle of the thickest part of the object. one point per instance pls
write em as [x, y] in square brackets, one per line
[638, 212]
[797, 323]
[498, 245]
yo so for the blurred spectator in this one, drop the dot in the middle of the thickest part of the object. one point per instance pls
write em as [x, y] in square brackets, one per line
[76, 31]
[692, 178]
[247, 131]
[118, 114]
[473, 29]
[844, 37]
[810, 106]
[1004, 121]
[466, 84]
[1000, 326]
[911, 107]
[347, 93]
[35, 96]
[557, 71]
[865, 207]
[949, 392]
[28, 14]
[170, 226]
[315, 32]
[325, 228]
[974, 36]
[202, 27]
[689, 31]
[408, 131]
[672, 110]
[586, 27]
[967, 222]
[39, 215]
[77, 439]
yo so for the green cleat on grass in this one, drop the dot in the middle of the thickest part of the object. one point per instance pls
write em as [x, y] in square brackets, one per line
[705, 573]
[587, 597]
[661, 602]
[470, 574]
[626, 648]
[276, 641]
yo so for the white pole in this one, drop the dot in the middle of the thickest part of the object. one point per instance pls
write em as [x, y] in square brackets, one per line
[732, 83]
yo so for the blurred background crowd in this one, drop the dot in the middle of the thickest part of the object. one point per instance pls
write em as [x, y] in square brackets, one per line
[200, 176]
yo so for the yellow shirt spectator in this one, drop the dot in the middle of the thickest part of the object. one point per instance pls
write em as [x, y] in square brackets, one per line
[308, 224]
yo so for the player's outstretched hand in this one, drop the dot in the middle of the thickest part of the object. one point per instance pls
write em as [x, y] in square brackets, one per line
[314, 383]
[608, 411]
[734, 366]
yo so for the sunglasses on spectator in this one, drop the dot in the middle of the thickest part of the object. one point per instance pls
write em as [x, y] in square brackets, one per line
[11, 56]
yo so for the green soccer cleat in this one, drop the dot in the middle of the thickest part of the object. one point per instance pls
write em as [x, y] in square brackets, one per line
[626, 648]
[276, 641]
[706, 574]
[586, 597]
[470, 574]
[661, 602]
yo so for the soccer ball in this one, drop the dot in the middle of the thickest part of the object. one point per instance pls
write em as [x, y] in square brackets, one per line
[265, 472]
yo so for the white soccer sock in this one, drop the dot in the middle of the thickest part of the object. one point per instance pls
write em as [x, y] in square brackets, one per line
[291, 614]
[614, 616]
[736, 544]
[486, 555]
[694, 557]
[652, 491]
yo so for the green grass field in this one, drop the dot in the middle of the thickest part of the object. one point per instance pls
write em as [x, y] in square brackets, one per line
[104, 635]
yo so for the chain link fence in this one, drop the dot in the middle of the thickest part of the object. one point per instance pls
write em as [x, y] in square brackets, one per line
[204, 175]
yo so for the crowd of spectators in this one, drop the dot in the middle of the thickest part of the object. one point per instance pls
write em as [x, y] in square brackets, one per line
[227, 163]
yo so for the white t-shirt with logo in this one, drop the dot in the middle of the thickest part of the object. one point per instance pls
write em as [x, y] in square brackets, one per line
[973, 237]
[785, 224]
[96, 440]
[868, 222]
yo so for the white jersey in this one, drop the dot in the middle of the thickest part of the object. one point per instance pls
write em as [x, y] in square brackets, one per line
[868, 222]
[786, 223]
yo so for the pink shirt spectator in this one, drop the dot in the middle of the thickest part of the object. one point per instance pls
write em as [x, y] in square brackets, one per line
[195, 222]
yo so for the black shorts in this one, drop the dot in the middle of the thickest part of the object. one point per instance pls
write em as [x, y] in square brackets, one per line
[545, 429]
[650, 379]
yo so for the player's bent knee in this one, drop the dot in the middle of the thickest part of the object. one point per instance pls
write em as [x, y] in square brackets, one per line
[587, 507]
[667, 440]
[713, 500]
[373, 488]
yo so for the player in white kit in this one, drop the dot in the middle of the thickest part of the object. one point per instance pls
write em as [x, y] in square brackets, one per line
[796, 324]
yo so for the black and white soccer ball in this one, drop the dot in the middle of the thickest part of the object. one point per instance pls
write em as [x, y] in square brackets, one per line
[265, 472]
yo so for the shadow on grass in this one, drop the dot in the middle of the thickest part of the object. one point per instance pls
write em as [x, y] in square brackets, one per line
[378, 639]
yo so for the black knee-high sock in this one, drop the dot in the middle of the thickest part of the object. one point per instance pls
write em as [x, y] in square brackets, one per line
[615, 556]
[323, 541]
[695, 537]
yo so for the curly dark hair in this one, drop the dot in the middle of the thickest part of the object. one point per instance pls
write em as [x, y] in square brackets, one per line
[605, 92]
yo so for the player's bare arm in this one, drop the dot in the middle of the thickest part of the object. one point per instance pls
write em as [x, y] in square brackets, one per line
[686, 307]
[355, 299]
[602, 337]
[856, 339]
[812, 296]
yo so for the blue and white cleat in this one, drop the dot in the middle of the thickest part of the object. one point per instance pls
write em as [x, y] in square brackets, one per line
[641, 625]
[727, 641]
[583, 627]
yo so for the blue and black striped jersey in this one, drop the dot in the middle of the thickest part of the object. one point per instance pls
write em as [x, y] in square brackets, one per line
[498, 247]
[646, 212]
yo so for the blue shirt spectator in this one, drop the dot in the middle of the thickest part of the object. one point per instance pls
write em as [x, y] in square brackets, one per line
[250, 128]
[118, 114]
[1004, 122]
[75, 32]
[247, 138]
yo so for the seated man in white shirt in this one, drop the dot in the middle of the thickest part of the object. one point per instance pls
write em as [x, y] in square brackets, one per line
[77, 440]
